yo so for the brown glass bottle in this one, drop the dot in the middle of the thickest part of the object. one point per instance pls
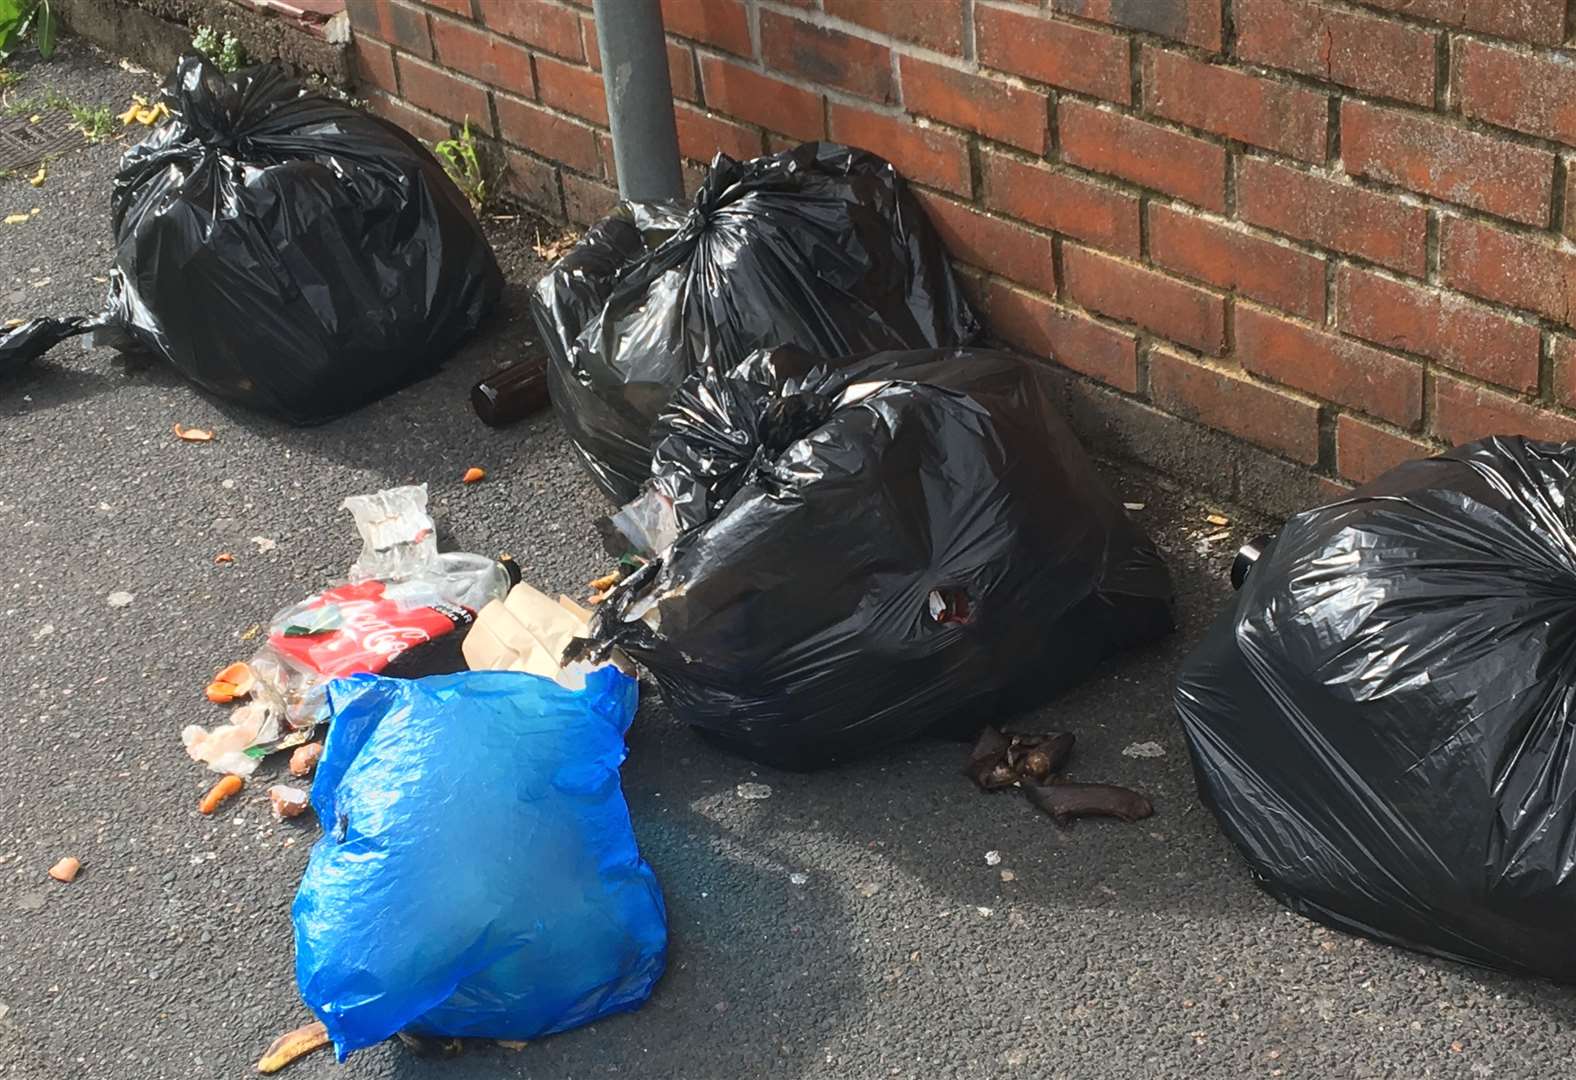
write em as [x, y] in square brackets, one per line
[514, 391]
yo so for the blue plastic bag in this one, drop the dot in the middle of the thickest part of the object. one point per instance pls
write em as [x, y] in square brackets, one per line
[477, 874]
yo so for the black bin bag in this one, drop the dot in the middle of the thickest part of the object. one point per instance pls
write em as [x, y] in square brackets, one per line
[284, 250]
[1385, 719]
[868, 550]
[821, 247]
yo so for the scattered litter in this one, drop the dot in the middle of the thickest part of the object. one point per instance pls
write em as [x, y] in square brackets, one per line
[305, 758]
[37, 179]
[1008, 875]
[754, 791]
[516, 1045]
[868, 889]
[623, 337]
[292, 1045]
[999, 760]
[1135, 507]
[537, 760]
[222, 558]
[264, 544]
[251, 631]
[15, 219]
[1217, 519]
[993, 858]
[1067, 802]
[473, 475]
[11, 324]
[187, 434]
[65, 870]
[797, 878]
[514, 392]
[120, 598]
[985, 912]
[1215, 538]
[140, 112]
[226, 788]
[43, 632]
[287, 801]
[1144, 750]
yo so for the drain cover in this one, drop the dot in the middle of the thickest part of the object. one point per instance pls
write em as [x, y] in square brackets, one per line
[24, 145]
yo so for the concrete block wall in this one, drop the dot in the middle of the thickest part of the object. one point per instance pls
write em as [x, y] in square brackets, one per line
[1279, 245]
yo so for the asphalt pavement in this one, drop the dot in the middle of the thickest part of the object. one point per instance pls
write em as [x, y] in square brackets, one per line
[851, 925]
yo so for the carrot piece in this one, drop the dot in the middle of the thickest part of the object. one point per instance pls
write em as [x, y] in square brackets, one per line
[224, 789]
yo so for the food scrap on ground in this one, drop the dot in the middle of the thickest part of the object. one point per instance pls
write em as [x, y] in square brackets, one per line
[66, 869]
[473, 475]
[287, 801]
[292, 1045]
[305, 758]
[187, 434]
[226, 788]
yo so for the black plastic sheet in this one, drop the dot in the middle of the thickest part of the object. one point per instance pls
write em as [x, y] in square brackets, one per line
[894, 544]
[820, 247]
[1383, 721]
[284, 250]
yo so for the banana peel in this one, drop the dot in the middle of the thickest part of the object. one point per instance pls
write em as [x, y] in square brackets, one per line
[292, 1045]
[141, 112]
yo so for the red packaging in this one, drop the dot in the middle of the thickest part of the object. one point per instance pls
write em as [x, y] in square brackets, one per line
[355, 628]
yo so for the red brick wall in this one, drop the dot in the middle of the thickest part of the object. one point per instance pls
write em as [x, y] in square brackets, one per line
[1333, 230]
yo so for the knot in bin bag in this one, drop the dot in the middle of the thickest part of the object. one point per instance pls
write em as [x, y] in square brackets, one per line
[822, 247]
[284, 250]
[477, 874]
[875, 548]
[1383, 720]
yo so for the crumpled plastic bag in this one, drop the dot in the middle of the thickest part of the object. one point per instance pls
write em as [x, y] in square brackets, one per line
[284, 250]
[1382, 720]
[820, 246]
[478, 874]
[874, 548]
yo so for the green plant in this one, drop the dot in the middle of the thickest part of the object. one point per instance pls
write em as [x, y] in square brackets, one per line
[18, 18]
[227, 52]
[464, 166]
[96, 121]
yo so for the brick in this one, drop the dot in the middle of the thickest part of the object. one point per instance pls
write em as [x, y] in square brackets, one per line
[1197, 22]
[572, 88]
[751, 96]
[1537, 22]
[1364, 450]
[1062, 202]
[462, 8]
[534, 182]
[1365, 52]
[1274, 115]
[1173, 309]
[935, 24]
[991, 243]
[992, 107]
[586, 201]
[827, 57]
[722, 23]
[1037, 325]
[483, 56]
[1463, 412]
[1521, 91]
[681, 63]
[1328, 366]
[1154, 157]
[923, 154]
[1562, 351]
[373, 64]
[394, 22]
[424, 126]
[1334, 215]
[1229, 257]
[1447, 162]
[547, 133]
[1064, 54]
[1229, 402]
[702, 135]
[436, 90]
[538, 23]
[1521, 271]
[1458, 333]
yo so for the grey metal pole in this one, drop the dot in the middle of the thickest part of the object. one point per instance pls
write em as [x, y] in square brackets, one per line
[639, 99]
